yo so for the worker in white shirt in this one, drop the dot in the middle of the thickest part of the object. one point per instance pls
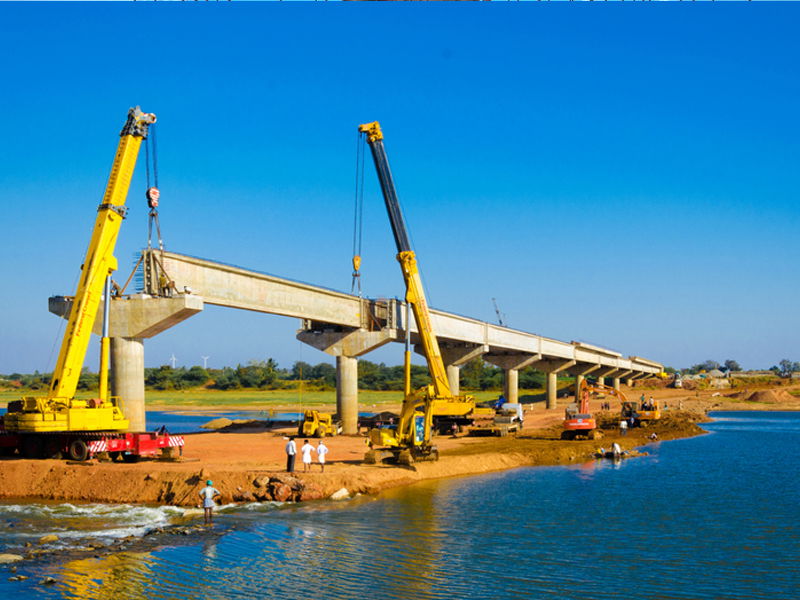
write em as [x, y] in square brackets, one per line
[307, 449]
[322, 450]
[291, 452]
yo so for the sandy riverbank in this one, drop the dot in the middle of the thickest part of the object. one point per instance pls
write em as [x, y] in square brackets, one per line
[238, 459]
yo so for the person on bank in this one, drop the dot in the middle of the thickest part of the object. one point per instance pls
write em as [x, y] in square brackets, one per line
[322, 450]
[208, 494]
[307, 449]
[291, 453]
[623, 427]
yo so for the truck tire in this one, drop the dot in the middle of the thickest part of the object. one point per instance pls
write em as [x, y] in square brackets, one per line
[78, 450]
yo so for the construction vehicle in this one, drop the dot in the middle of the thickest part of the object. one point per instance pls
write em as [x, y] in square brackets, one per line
[502, 421]
[578, 421]
[317, 424]
[59, 424]
[642, 412]
[410, 439]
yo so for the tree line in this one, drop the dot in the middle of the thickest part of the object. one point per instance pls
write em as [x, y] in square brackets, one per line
[475, 375]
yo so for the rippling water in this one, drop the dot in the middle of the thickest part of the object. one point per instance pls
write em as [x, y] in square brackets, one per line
[711, 517]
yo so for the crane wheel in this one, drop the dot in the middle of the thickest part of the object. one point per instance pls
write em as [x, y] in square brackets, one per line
[78, 450]
[567, 435]
[130, 458]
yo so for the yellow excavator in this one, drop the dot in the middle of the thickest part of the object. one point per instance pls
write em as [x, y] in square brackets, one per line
[410, 439]
[58, 422]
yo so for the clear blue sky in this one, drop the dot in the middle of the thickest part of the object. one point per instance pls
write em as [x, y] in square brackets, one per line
[625, 175]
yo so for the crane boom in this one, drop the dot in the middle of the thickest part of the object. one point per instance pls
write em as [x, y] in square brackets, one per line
[415, 293]
[100, 260]
[59, 411]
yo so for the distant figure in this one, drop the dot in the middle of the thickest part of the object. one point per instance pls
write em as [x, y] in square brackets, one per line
[616, 450]
[208, 494]
[322, 450]
[623, 427]
[454, 430]
[291, 452]
[306, 450]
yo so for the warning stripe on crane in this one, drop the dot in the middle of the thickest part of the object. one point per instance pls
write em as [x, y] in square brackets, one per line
[96, 446]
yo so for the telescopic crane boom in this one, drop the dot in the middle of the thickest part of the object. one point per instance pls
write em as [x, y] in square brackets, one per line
[59, 411]
[412, 437]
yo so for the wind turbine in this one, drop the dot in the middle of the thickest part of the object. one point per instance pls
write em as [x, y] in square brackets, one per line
[205, 361]
[173, 360]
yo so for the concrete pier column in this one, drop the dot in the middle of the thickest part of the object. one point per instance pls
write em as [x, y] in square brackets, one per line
[511, 385]
[511, 364]
[127, 382]
[347, 393]
[552, 389]
[454, 378]
[581, 371]
[553, 367]
[615, 383]
[579, 379]
[346, 344]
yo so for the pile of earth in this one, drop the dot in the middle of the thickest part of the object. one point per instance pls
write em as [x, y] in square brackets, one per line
[770, 397]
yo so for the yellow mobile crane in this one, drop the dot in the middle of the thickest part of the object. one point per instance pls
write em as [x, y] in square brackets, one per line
[58, 422]
[411, 439]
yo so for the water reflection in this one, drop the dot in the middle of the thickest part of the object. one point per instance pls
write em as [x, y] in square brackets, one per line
[120, 575]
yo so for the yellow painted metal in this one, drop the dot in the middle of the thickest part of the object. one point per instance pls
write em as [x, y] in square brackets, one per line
[58, 411]
[432, 400]
[105, 356]
[373, 131]
[415, 295]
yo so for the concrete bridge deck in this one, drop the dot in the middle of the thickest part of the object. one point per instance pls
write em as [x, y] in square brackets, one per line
[176, 286]
[347, 326]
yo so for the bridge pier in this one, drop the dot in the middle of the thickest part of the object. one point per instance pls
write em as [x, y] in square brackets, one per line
[605, 372]
[580, 375]
[346, 344]
[619, 376]
[553, 368]
[347, 393]
[127, 379]
[131, 319]
[511, 364]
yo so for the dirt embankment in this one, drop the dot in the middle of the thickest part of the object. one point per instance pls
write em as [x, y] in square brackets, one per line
[250, 465]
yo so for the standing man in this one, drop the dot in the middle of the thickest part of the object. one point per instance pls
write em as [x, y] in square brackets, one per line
[307, 449]
[623, 427]
[208, 494]
[291, 452]
[322, 450]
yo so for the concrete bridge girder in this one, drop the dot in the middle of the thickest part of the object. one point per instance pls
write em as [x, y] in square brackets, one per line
[131, 320]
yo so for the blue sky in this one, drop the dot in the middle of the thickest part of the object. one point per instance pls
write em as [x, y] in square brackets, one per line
[624, 175]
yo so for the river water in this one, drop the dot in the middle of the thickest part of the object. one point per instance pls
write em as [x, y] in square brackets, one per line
[711, 517]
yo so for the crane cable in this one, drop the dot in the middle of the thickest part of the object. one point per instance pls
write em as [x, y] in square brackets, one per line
[153, 194]
[358, 214]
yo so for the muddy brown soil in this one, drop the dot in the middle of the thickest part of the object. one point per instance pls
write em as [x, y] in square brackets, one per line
[234, 461]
